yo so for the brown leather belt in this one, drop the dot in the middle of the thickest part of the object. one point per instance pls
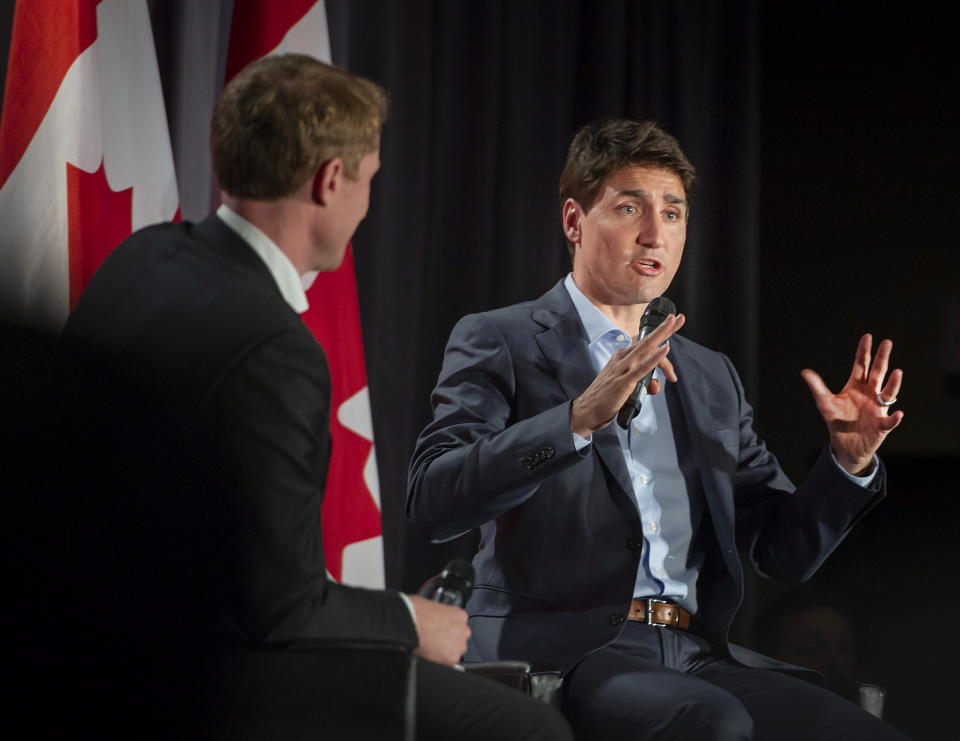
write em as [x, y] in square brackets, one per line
[659, 612]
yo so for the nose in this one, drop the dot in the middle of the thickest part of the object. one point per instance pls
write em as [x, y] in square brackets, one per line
[650, 234]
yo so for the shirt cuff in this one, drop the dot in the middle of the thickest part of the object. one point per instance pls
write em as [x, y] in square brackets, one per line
[409, 604]
[864, 480]
[579, 443]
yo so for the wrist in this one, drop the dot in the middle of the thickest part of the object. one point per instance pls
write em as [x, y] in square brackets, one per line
[578, 425]
[855, 466]
[857, 469]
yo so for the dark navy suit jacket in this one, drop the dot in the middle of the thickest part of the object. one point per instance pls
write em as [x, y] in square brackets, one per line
[560, 535]
[194, 315]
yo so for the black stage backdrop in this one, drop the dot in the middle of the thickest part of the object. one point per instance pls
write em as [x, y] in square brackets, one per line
[825, 138]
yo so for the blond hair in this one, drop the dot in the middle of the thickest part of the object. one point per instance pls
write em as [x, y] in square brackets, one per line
[283, 116]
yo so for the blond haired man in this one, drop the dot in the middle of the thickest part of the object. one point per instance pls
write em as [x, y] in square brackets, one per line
[208, 315]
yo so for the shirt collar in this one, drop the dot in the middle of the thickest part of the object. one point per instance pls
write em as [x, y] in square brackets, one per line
[595, 322]
[600, 329]
[284, 273]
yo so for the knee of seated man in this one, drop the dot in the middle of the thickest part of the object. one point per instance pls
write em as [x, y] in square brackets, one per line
[717, 716]
[710, 714]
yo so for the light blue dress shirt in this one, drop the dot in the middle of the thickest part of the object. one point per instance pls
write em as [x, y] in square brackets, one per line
[667, 566]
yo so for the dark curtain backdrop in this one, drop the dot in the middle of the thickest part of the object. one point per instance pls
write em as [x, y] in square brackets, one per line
[465, 214]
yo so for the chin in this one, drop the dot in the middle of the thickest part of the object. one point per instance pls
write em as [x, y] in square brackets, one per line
[331, 262]
[649, 293]
[646, 296]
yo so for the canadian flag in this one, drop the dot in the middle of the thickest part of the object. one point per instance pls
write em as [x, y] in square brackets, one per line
[352, 531]
[85, 153]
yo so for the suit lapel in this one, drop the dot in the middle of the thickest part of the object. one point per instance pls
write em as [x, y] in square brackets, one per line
[563, 344]
[696, 401]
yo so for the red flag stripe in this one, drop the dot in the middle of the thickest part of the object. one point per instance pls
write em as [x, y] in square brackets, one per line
[53, 33]
[350, 512]
[98, 219]
[263, 28]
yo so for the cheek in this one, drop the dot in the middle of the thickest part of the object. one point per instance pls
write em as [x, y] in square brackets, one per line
[612, 243]
[678, 251]
[363, 202]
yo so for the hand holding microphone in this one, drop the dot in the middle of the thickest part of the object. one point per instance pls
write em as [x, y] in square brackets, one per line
[653, 316]
[441, 621]
[619, 388]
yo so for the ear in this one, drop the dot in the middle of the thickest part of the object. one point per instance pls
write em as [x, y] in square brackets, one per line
[326, 181]
[570, 215]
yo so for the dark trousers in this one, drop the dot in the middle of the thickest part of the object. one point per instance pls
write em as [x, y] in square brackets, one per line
[455, 706]
[666, 684]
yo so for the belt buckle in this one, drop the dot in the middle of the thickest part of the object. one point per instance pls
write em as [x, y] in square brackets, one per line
[676, 613]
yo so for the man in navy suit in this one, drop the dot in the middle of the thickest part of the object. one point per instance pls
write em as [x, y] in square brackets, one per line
[612, 553]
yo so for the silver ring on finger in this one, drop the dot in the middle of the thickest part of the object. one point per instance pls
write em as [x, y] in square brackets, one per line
[882, 402]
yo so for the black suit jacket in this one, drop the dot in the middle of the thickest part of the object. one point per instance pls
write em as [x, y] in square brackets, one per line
[560, 533]
[193, 314]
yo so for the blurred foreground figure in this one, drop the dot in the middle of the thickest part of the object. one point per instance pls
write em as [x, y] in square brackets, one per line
[205, 318]
[612, 552]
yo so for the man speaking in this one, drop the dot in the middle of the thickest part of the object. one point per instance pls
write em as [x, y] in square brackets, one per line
[612, 552]
[207, 317]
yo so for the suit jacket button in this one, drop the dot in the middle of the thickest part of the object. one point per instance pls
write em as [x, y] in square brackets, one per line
[634, 544]
[548, 451]
[616, 618]
[528, 462]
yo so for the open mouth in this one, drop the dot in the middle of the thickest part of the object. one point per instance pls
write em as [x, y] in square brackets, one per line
[647, 266]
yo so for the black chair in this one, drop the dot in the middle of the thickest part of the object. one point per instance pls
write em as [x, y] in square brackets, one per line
[306, 691]
[543, 685]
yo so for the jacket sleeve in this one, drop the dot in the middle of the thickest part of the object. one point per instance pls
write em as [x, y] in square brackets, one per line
[788, 532]
[476, 460]
[267, 419]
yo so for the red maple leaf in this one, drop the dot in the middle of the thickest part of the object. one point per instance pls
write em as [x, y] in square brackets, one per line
[98, 220]
[349, 513]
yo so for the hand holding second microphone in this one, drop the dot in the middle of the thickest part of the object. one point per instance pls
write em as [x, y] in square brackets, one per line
[441, 630]
[603, 399]
[441, 622]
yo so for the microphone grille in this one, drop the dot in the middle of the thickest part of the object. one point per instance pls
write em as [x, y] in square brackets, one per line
[459, 567]
[657, 310]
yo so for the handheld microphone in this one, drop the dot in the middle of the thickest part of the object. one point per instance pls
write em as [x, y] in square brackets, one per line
[452, 586]
[653, 316]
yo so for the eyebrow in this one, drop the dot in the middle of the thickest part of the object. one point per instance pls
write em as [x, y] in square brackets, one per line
[669, 198]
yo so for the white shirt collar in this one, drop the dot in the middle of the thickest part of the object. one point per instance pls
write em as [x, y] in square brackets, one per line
[595, 322]
[284, 273]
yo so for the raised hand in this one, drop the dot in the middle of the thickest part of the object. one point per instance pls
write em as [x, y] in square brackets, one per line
[596, 407]
[857, 419]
